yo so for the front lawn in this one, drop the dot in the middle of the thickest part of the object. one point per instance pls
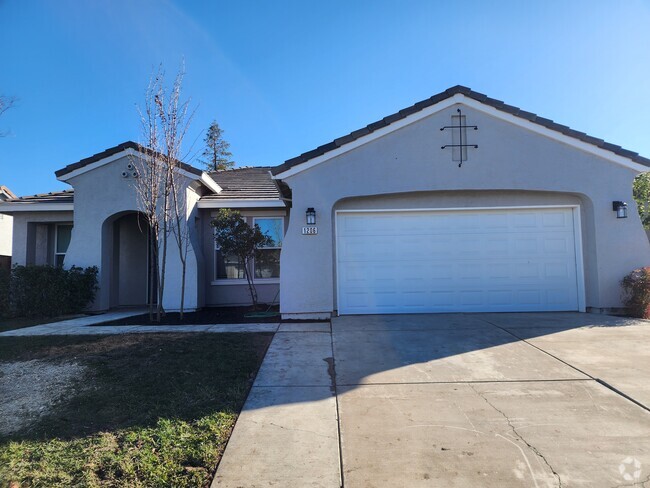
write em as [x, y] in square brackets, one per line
[121, 410]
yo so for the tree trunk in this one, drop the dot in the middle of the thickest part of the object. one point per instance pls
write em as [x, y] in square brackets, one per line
[251, 285]
[182, 312]
[152, 275]
[160, 311]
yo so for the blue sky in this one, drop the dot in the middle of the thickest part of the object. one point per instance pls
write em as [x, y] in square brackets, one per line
[282, 77]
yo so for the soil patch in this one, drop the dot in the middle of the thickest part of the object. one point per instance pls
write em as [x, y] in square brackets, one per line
[212, 315]
[31, 389]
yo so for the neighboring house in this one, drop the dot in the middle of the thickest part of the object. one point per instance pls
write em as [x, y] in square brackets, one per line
[427, 210]
[6, 230]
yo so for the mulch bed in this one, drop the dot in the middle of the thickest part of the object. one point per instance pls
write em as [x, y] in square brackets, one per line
[206, 316]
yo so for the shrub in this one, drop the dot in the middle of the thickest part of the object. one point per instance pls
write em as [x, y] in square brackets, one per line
[46, 291]
[636, 288]
[82, 287]
[4, 292]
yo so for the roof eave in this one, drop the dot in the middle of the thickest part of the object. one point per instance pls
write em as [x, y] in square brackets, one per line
[13, 207]
[128, 148]
[242, 203]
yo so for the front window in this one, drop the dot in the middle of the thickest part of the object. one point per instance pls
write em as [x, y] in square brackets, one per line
[62, 238]
[229, 267]
[267, 264]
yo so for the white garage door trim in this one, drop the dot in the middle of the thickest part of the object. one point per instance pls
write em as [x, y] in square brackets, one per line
[577, 237]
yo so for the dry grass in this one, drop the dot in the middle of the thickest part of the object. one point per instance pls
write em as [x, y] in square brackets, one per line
[149, 410]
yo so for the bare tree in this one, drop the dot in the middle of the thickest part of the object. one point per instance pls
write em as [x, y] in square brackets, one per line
[161, 193]
[6, 103]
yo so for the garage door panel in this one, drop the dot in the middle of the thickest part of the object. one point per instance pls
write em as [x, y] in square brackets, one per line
[556, 270]
[498, 298]
[552, 219]
[427, 261]
[558, 245]
[524, 220]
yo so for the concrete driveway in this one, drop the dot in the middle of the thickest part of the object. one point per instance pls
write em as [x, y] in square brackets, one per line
[490, 400]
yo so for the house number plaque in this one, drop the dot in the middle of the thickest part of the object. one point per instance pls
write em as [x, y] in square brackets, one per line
[309, 231]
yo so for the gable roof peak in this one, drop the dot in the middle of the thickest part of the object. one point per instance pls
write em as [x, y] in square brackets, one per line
[483, 99]
[111, 151]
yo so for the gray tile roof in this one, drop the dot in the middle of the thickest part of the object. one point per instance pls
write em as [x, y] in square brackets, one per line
[114, 150]
[244, 183]
[65, 196]
[252, 183]
[468, 92]
[6, 193]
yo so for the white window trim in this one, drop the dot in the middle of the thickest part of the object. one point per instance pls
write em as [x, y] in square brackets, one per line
[56, 241]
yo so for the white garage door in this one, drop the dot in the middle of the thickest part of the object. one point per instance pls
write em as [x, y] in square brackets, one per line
[502, 260]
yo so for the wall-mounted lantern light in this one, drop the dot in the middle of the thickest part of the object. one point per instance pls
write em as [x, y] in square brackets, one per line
[621, 209]
[311, 216]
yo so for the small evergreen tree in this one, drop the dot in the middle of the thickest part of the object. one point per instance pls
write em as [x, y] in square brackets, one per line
[216, 155]
[641, 191]
[235, 237]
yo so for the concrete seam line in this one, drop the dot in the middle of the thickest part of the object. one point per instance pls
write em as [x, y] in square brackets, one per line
[338, 415]
[469, 382]
[597, 380]
[619, 392]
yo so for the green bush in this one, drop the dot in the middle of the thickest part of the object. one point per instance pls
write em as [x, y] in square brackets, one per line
[46, 291]
[636, 287]
[82, 287]
[5, 307]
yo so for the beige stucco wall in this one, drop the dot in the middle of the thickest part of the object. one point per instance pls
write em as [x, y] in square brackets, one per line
[39, 247]
[6, 234]
[512, 166]
[101, 196]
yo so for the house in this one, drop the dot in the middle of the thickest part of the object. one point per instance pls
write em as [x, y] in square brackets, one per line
[459, 203]
[6, 230]
[99, 223]
[511, 212]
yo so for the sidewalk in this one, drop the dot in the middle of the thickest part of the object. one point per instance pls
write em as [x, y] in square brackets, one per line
[89, 326]
[287, 432]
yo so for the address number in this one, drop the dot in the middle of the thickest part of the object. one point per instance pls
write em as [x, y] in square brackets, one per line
[309, 231]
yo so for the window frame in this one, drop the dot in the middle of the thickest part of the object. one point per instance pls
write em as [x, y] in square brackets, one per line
[56, 242]
[268, 280]
[223, 281]
[242, 281]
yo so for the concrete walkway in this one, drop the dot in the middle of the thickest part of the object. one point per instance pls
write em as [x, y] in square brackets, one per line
[287, 433]
[90, 325]
[454, 400]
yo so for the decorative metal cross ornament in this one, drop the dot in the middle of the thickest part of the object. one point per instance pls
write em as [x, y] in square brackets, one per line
[459, 138]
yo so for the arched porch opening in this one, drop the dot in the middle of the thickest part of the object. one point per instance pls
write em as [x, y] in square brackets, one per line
[126, 260]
